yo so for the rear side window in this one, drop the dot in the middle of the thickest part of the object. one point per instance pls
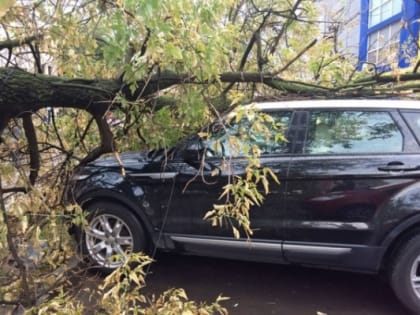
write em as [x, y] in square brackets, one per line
[413, 120]
[342, 132]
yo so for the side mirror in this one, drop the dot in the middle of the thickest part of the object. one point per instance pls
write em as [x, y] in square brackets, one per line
[192, 154]
[193, 150]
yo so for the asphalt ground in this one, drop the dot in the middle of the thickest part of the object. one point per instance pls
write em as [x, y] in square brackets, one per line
[258, 288]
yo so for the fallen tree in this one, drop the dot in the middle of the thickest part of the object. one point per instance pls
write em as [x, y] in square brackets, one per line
[23, 94]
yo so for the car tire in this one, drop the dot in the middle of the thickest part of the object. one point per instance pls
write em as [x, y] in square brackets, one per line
[405, 274]
[112, 233]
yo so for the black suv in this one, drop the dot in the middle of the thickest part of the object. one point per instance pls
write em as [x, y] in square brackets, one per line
[349, 196]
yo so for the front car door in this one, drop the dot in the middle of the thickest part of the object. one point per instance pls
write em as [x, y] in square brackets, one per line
[201, 181]
[352, 162]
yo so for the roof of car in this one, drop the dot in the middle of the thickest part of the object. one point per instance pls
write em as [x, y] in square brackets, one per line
[339, 103]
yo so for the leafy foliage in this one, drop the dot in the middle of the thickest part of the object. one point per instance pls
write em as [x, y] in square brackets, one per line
[175, 301]
[243, 193]
[121, 294]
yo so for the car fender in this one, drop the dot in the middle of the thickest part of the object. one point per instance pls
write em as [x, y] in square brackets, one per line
[116, 196]
[399, 213]
[407, 225]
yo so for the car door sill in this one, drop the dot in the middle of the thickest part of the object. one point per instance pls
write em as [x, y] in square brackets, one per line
[316, 250]
[227, 243]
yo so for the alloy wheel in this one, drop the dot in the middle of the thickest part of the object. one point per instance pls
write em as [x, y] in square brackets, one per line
[108, 240]
[415, 276]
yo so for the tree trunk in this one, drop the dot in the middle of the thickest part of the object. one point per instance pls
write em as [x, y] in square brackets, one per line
[21, 92]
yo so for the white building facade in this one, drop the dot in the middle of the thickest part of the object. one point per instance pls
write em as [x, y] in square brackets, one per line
[381, 33]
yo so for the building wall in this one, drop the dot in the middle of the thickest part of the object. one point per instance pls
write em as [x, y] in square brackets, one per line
[404, 21]
[349, 34]
[345, 15]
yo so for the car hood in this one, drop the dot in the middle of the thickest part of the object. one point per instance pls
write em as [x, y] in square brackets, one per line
[128, 160]
[134, 160]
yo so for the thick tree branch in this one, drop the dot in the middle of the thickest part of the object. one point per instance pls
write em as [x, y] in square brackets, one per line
[390, 78]
[37, 57]
[13, 43]
[252, 41]
[14, 190]
[30, 133]
[107, 144]
[23, 93]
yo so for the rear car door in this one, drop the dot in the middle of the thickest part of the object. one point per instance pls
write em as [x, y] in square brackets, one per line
[352, 162]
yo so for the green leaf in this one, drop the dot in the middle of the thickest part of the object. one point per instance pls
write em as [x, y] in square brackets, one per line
[174, 51]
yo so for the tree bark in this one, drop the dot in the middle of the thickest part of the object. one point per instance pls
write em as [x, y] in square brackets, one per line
[22, 92]
[13, 43]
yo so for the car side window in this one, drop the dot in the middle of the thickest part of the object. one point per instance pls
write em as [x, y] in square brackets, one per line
[235, 139]
[413, 120]
[352, 131]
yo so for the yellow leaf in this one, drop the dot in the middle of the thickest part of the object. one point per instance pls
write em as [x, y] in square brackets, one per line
[239, 116]
[134, 278]
[208, 214]
[272, 175]
[226, 190]
[182, 294]
[268, 118]
[236, 233]
[202, 311]
[265, 184]
[222, 298]
[215, 172]
[219, 207]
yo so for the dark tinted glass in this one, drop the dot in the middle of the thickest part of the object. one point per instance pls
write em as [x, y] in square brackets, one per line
[413, 119]
[341, 132]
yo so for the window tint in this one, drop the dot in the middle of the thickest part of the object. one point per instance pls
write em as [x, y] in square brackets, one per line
[413, 120]
[352, 132]
[239, 138]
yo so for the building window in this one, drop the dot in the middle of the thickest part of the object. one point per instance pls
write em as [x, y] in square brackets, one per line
[389, 33]
[380, 10]
[383, 45]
